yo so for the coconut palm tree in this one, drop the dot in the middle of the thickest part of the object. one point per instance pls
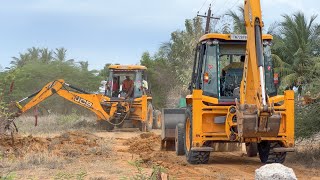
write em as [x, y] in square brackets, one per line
[293, 48]
[45, 55]
[60, 54]
[20, 61]
[84, 65]
[238, 20]
[34, 53]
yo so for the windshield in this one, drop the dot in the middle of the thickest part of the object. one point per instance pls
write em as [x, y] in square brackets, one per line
[124, 83]
[210, 87]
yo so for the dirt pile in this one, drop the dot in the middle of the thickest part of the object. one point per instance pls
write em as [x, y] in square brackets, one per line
[144, 143]
[69, 144]
[147, 146]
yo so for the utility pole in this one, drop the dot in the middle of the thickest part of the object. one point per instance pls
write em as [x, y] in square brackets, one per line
[208, 17]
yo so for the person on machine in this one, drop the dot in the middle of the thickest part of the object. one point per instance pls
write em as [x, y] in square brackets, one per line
[127, 86]
[144, 85]
[115, 87]
[233, 65]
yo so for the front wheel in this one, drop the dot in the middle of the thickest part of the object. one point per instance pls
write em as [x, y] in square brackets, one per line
[193, 157]
[179, 139]
[267, 155]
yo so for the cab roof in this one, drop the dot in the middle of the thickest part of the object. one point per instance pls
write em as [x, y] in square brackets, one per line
[127, 67]
[231, 37]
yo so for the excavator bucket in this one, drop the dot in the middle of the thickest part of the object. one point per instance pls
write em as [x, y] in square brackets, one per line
[170, 118]
[250, 125]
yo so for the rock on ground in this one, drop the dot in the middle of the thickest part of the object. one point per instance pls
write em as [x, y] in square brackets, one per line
[275, 171]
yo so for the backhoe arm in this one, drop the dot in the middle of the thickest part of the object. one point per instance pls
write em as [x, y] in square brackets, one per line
[256, 116]
[84, 99]
[253, 84]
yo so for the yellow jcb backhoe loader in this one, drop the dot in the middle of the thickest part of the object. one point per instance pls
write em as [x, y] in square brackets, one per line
[233, 98]
[111, 110]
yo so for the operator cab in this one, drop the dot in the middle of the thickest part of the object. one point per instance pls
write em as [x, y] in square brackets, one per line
[219, 63]
[126, 81]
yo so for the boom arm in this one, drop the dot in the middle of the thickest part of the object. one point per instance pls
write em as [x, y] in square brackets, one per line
[84, 99]
[253, 85]
[255, 115]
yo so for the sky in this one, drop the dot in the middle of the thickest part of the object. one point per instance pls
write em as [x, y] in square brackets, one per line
[117, 31]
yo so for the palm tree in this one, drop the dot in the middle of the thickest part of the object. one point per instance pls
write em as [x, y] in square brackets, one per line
[34, 53]
[60, 54]
[293, 48]
[45, 55]
[84, 65]
[238, 20]
[20, 61]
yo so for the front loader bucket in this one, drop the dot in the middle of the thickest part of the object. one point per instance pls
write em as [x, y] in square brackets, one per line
[170, 118]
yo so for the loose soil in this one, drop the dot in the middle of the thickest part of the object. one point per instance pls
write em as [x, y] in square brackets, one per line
[107, 155]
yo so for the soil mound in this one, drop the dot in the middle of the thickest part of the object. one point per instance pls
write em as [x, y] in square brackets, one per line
[144, 143]
[70, 144]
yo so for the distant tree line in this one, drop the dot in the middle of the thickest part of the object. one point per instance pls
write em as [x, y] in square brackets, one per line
[31, 70]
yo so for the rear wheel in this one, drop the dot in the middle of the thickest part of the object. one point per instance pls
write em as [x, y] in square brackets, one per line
[252, 149]
[193, 157]
[179, 139]
[267, 155]
[146, 126]
[157, 119]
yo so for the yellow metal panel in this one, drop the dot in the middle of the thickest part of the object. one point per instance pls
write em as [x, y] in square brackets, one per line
[127, 67]
[289, 103]
[227, 37]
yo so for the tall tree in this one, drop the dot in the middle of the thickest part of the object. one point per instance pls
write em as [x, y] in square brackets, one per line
[60, 54]
[238, 20]
[20, 61]
[34, 53]
[84, 65]
[45, 55]
[294, 47]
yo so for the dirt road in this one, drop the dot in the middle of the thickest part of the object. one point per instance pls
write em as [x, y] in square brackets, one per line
[118, 155]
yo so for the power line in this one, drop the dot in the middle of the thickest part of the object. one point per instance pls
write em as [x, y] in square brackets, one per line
[237, 3]
[202, 5]
[223, 7]
[211, 3]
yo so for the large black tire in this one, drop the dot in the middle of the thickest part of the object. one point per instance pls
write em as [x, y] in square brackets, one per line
[252, 149]
[193, 157]
[179, 139]
[105, 125]
[147, 125]
[157, 119]
[267, 155]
